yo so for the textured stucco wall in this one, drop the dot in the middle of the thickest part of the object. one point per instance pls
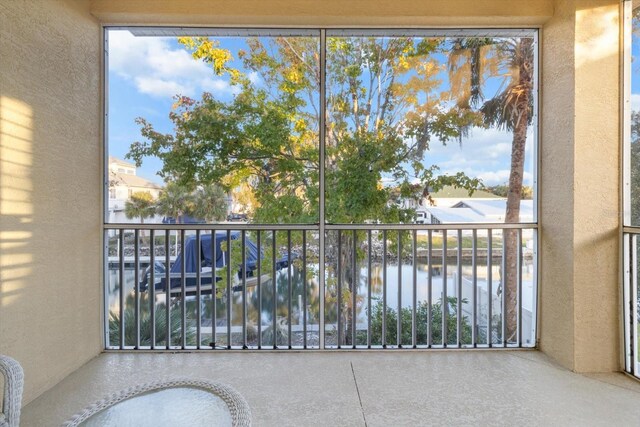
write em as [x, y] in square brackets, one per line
[579, 312]
[50, 202]
[597, 187]
[326, 12]
[556, 185]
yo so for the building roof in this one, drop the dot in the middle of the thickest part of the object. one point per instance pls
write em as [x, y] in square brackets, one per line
[132, 181]
[116, 161]
[451, 192]
[455, 215]
[495, 209]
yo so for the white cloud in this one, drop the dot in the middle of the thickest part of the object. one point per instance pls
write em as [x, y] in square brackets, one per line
[158, 69]
[484, 154]
[218, 86]
[160, 88]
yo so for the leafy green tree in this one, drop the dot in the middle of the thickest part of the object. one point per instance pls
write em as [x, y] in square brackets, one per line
[472, 61]
[503, 191]
[379, 125]
[140, 205]
[210, 203]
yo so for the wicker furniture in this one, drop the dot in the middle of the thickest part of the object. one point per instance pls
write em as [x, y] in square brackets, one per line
[13, 384]
[238, 407]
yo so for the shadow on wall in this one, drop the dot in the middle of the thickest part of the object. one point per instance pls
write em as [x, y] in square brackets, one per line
[16, 207]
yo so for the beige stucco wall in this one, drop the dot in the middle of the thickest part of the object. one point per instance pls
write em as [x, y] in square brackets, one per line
[50, 202]
[556, 157]
[579, 312]
[325, 12]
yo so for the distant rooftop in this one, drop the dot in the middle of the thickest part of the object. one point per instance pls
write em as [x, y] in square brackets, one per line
[455, 215]
[133, 181]
[451, 192]
[116, 161]
[496, 209]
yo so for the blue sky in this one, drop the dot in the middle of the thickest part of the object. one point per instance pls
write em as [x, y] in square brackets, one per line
[635, 69]
[146, 72]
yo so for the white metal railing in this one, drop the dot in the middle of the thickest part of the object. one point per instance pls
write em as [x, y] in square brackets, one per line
[249, 286]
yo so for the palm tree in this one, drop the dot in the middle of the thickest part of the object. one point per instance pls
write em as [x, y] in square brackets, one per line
[175, 201]
[210, 203]
[140, 205]
[510, 109]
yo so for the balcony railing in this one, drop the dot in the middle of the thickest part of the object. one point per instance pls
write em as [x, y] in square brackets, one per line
[247, 286]
[631, 318]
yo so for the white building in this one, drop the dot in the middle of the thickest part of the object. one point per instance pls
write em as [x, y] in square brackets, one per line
[494, 210]
[123, 183]
[476, 210]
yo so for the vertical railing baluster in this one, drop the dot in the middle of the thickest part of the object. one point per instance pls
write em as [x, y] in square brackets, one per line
[151, 286]
[259, 284]
[414, 315]
[503, 294]
[183, 291]
[136, 281]
[339, 311]
[122, 286]
[354, 290]
[399, 316]
[227, 260]
[474, 309]
[275, 290]
[430, 288]
[289, 290]
[369, 243]
[214, 289]
[384, 288]
[108, 281]
[244, 289]
[490, 287]
[519, 294]
[198, 290]
[304, 289]
[445, 299]
[459, 290]
[167, 288]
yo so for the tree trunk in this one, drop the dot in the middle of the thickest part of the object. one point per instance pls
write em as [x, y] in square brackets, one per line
[514, 196]
[348, 281]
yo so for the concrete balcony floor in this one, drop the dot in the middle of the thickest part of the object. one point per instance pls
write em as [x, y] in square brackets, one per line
[371, 388]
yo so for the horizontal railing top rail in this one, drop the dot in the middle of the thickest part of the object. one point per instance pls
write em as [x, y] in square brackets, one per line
[269, 227]
[631, 229]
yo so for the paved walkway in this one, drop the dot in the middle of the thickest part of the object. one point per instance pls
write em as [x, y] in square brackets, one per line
[368, 388]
